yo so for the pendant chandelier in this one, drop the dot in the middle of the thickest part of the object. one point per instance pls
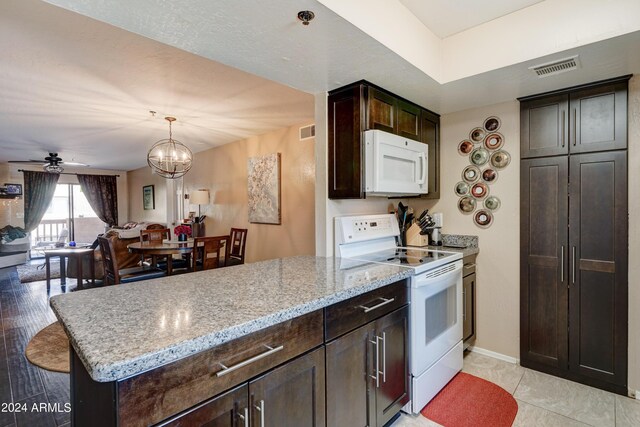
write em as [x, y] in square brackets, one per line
[170, 158]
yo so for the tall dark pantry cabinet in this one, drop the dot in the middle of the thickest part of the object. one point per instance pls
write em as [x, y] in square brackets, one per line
[573, 234]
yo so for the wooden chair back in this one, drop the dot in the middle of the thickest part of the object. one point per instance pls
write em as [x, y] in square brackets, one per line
[109, 261]
[238, 243]
[210, 251]
[154, 235]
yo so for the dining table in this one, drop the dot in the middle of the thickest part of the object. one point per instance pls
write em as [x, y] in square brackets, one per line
[167, 247]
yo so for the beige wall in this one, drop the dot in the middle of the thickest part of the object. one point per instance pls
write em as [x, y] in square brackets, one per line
[138, 179]
[12, 211]
[223, 170]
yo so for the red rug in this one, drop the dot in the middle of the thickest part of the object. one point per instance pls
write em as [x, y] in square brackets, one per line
[471, 401]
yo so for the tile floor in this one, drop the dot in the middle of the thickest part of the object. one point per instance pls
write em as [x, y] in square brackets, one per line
[544, 400]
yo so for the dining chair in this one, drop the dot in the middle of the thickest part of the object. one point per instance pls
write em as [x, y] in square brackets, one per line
[114, 275]
[209, 252]
[238, 238]
[154, 235]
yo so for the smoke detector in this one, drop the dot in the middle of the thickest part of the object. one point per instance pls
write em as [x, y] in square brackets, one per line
[556, 67]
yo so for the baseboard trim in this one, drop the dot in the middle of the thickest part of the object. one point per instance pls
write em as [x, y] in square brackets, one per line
[495, 355]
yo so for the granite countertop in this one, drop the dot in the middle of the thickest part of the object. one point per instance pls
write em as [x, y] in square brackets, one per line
[120, 331]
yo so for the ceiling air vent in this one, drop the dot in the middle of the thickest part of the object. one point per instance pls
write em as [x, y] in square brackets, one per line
[307, 132]
[556, 67]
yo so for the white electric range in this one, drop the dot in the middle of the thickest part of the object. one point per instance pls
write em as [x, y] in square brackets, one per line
[435, 298]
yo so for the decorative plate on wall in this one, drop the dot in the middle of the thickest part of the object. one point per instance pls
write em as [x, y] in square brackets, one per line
[494, 141]
[466, 205]
[479, 190]
[483, 218]
[500, 159]
[471, 174]
[491, 124]
[492, 203]
[484, 148]
[477, 134]
[461, 188]
[489, 175]
[465, 147]
[479, 156]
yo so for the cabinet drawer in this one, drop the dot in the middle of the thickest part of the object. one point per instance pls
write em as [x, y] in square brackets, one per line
[347, 315]
[153, 396]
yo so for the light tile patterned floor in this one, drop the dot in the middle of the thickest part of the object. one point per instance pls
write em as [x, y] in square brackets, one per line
[544, 400]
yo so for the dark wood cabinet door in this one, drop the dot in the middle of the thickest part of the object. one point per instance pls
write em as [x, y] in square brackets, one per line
[598, 286]
[468, 306]
[392, 390]
[349, 370]
[381, 110]
[430, 134]
[544, 126]
[599, 118]
[345, 148]
[408, 120]
[292, 395]
[230, 409]
[543, 270]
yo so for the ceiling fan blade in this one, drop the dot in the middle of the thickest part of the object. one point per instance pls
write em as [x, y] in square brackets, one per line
[28, 162]
[73, 164]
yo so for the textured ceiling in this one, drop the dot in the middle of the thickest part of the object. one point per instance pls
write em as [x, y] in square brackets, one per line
[84, 88]
[446, 17]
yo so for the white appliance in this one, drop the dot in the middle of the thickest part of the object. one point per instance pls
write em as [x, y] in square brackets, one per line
[436, 298]
[394, 165]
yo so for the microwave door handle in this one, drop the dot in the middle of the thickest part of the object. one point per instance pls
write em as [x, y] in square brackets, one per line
[423, 164]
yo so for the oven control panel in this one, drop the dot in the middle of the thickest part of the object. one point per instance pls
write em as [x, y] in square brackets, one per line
[364, 229]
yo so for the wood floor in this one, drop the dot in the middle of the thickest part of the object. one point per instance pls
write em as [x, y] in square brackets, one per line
[24, 310]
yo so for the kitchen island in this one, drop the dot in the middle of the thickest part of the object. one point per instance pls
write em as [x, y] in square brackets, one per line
[157, 334]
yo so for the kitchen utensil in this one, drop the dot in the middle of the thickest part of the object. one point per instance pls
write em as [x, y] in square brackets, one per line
[422, 215]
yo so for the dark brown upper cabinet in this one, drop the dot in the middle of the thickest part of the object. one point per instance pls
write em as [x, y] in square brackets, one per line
[362, 106]
[581, 119]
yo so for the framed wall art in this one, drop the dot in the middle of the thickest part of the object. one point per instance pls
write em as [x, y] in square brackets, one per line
[148, 197]
[263, 184]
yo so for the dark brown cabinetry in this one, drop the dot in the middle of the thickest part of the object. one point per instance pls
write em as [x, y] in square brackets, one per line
[362, 106]
[574, 244]
[580, 120]
[469, 300]
[291, 395]
[368, 372]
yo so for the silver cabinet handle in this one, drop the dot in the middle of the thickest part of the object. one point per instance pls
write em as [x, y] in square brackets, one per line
[270, 350]
[260, 408]
[562, 128]
[385, 301]
[384, 357]
[562, 264]
[245, 417]
[377, 368]
[464, 305]
[573, 265]
[575, 137]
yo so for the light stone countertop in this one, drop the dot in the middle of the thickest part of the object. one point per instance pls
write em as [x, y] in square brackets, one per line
[120, 331]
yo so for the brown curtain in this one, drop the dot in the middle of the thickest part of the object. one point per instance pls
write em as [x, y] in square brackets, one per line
[38, 192]
[102, 193]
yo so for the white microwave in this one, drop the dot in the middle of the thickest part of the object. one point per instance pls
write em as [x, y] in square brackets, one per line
[394, 166]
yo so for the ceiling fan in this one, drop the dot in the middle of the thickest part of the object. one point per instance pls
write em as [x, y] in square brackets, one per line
[52, 163]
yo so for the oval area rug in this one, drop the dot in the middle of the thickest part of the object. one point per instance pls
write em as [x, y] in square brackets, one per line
[471, 401]
[49, 349]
